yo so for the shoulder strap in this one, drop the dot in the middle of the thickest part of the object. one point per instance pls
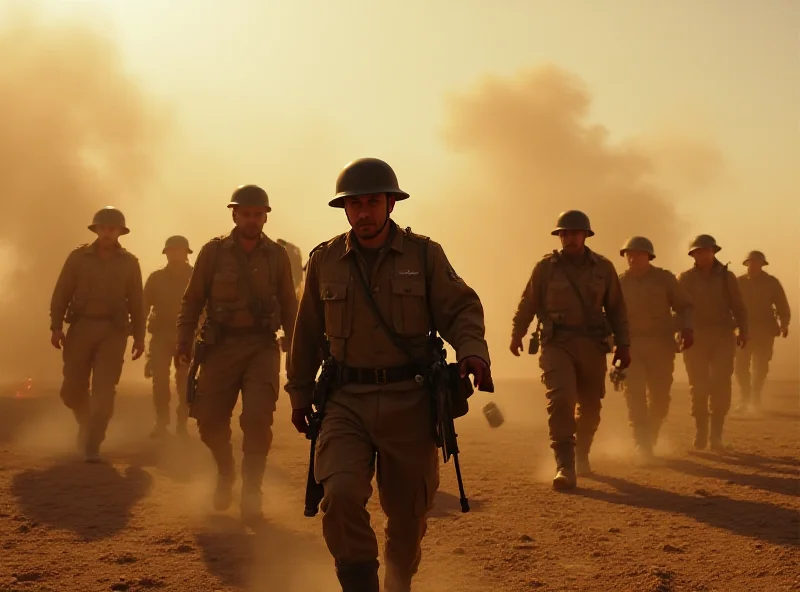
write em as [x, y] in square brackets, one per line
[253, 303]
[586, 311]
[217, 245]
[396, 339]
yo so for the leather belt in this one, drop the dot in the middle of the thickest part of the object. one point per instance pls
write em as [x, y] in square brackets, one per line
[378, 376]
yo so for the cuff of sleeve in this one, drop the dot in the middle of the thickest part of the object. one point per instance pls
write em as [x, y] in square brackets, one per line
[473, 348]
[301, 399]
[56, 327]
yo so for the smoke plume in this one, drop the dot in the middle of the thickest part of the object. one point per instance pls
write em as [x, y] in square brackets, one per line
[78, 134]
[528, 151]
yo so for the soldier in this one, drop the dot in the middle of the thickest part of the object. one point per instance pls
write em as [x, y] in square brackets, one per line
[99, 294]
[769, 315]
[296, 259]
[380, 408]
[651, 293]
[576, 295]
[162, 294]
[718, 309]
[244, 280]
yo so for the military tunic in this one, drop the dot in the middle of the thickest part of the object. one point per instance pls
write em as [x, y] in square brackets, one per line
[242, 351]
[392, 419]
[574, 342]
[650, 299]
[163, 292]
[101, 300]
[718, 310]
[766, 304]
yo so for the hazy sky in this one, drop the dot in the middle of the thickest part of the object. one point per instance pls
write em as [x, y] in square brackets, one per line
[284, 93]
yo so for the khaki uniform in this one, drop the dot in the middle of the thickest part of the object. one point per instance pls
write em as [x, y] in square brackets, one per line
[718, 309]
[574, 347]
[241, 347]
[650, 299]
[162, 295]
[766, 303]
[369, 419]
[296, 261]
[101, 300]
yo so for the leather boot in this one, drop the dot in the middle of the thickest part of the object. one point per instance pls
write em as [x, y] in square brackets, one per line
[701, 434]
[253, 467]
[644, 447]
[717, 422]
[358, 577]
[226, 477]
[565, 467]
[583, 445]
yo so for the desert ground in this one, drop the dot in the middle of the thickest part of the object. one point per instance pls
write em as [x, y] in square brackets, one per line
[143, 521]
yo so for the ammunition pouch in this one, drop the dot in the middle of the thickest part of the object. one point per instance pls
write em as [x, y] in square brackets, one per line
[459, 389]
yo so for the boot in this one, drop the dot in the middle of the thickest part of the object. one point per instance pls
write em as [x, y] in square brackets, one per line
[655, 430]
[717, 422]
[583, 445]
[226, 477]
[253, 467]
[644, 448]
[565, 478]
[358, 577]
[701, 435]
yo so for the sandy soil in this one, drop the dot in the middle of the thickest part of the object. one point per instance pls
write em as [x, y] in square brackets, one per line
[143, 521]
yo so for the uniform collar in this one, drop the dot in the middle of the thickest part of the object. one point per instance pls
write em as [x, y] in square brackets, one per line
[233, 239]
[394, 243]
[93, 249]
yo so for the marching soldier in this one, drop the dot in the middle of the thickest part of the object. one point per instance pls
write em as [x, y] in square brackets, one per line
[576, 295]
[244, 281]
[718, 310]
[99, 294]
[651, 295]
[162, 295]
[769, 315]
[370, 295]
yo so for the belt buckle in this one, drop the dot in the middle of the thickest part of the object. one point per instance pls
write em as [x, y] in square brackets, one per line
[380, 375]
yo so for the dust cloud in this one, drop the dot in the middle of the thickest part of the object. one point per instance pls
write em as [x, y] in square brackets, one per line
[528, 151]
[78, 134]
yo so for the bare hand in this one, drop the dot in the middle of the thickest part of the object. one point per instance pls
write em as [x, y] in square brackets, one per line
[482, 374]
[183, 354]
[687, 339]
[622, 354]
[516, 346]
[300, 419]
[137, 350]
[784, 332]
[741, 340]
[57, 338]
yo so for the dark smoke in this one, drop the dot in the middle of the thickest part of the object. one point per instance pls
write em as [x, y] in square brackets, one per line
[77, 134]
[528, 152]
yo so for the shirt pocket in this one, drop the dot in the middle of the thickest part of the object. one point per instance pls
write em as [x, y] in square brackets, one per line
[225, 286]
[559, 296]
[409, 306]
[334, 299]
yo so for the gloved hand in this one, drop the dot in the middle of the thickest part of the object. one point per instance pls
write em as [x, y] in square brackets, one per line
[300, 419]
[622, 354]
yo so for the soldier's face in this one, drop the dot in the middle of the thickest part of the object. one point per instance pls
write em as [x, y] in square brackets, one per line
[367, 213]
[176, 254]
[637, 259]
[754, 266]
[107, 235]
[703, 257]
[250, 220]
[572, 241]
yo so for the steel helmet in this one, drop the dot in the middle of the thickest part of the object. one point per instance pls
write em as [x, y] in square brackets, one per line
[704, 241]
[109, 216]
[573, 220]
[366, 176]
[249, 195]
[177, 241]
[638, 243]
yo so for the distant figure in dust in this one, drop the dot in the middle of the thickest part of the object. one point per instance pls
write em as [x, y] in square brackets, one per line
[99, 294]
[651, 296]
[718, 310]
[769, 315]
[163, 292]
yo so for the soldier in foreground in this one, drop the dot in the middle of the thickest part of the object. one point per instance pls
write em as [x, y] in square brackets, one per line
[296, 260]
[576, 295]
[162, 302]
[370, 298]
[718, 310]
[651, 295]
[99, 294]
[244, 281]
[769, 315]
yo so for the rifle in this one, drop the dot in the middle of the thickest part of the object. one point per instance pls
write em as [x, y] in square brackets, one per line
[198, 357]
[325, 383]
